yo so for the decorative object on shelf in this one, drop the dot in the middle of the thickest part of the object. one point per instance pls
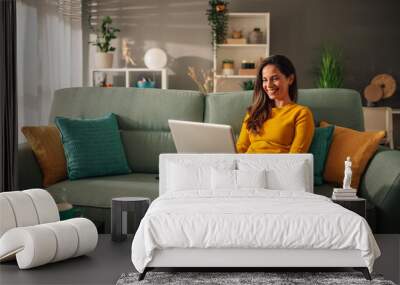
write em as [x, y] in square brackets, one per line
[100, 79]
[236, 38]
[255, 36]
[330, 73]
[218, 20]
[248, 68]
[228, 66]
[239, 41]
[104, 57]
[205, 83]
[248, 64]
[248, 85]
[155, 58]
[237, 34]
[145, 82]
[126, 53]
[382, 86]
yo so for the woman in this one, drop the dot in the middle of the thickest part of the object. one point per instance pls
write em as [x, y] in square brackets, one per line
[274, 123]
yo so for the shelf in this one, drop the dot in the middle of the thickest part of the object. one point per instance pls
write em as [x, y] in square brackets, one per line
[130, 73]
[239, 51]
[246, 14]
[235, 76]
[242, 45]
[126, 69]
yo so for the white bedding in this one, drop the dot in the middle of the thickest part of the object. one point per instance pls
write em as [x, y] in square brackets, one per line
[250, 219]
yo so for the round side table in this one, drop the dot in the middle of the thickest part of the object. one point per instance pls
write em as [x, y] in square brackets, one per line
[119, 212]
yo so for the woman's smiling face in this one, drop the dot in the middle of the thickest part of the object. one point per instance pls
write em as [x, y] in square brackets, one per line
[276, 84]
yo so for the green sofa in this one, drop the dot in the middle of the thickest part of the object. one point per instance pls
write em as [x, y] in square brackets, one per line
[143, 115]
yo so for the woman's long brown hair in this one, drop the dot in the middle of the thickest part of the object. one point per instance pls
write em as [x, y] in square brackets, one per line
[260, 109]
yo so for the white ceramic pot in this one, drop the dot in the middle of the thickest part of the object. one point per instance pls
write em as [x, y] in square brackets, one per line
[104, 60]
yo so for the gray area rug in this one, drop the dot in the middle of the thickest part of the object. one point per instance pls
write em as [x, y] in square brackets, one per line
[229, 278]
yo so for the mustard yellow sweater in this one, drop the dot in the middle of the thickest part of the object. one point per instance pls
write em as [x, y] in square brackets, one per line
[290, 129]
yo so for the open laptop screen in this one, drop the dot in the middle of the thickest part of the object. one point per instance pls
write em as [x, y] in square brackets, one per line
[195, 137]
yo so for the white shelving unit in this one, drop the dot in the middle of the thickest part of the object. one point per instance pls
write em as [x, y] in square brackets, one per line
[244, 22]
[129, 72]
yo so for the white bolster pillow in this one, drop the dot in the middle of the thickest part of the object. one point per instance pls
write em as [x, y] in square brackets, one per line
[23, 209]
[7, 218]
[45, 206]
[26, 208]
[40, 244]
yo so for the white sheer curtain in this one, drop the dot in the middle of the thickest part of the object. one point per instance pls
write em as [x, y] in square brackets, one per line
[49, 57]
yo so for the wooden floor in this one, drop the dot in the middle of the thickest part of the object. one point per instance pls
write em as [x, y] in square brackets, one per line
[111, 259]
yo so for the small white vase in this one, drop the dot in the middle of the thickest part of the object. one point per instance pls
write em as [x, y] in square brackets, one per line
[104, 60]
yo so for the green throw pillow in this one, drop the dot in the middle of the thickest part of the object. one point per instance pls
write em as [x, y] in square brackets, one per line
[92, 147]
[319, 148]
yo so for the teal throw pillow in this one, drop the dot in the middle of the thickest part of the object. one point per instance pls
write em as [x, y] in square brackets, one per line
[319, 148]
[92, 147]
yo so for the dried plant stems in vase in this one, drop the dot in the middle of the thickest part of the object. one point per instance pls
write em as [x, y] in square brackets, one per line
[218, 20]
[205, 83]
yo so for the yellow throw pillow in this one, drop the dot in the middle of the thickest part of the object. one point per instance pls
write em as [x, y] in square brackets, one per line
[46, 144]
[360, 146]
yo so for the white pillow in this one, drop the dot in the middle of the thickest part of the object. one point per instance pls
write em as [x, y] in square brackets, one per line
[183, 175]
[225, 179]
[251, 178]
[287, 175]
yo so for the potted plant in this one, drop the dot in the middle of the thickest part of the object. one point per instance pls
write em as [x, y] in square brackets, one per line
[228, 66]
[104, 55]
[330, 73]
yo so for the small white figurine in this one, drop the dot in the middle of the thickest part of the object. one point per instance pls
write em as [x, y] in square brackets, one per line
[347, 174]
[126, 53]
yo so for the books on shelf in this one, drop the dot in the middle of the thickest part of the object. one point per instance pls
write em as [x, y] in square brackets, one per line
[339, 193]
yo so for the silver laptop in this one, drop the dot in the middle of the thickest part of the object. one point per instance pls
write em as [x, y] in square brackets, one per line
[195, 137]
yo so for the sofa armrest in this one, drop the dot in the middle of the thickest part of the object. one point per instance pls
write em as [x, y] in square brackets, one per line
[380, 185]
[29, 173]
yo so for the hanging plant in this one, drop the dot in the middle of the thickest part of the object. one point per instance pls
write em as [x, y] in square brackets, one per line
[218, 20]
[330, 73]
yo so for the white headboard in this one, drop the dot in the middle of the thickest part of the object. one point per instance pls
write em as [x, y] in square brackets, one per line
[209, 159]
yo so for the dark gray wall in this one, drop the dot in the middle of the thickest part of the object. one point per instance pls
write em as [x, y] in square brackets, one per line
[367, 32]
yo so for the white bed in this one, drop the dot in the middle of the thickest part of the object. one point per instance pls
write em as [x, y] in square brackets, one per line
[229, 210]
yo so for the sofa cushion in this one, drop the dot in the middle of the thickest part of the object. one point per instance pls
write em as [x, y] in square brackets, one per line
[142, 116]
[92, 147]
[98, 191]
[338, 106]
[45, 142]
[360, 146]
[142, 148]
[319, 148]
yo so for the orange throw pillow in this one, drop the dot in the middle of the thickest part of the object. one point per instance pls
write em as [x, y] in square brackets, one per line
[360, 146]
[46, 144]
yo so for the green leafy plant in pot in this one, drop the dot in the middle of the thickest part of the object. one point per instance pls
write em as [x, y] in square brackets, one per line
[248, 85]
[106, 33]
[330, 71]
